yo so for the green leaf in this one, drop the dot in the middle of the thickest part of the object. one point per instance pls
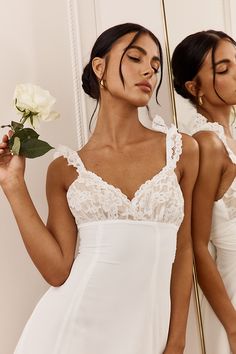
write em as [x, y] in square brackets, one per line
[24, 135]
[15, 126]
[16, 146]
[34, 148]
[27, 133]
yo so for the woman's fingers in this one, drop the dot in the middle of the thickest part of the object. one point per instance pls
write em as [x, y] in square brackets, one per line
[3, 149]
[5, 158]
[4, 143]
[10, 133]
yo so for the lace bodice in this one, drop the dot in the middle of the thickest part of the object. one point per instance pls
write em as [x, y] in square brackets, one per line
[160, 199]
[229, 198]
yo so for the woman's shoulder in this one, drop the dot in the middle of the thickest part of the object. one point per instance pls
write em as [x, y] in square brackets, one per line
[61, 157]
[58, 163]
[190, 151]
[209, 141]
[189, 144]
[189, 159]
[212, 153]
[63, 164]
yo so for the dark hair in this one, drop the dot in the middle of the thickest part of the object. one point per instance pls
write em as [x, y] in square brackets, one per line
[103, 45]
[189, 56]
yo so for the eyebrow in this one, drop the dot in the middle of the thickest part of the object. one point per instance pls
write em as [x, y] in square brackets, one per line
[142, 50]
[223, 61]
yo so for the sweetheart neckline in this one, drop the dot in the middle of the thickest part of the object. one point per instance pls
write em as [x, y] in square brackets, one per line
[117, 189]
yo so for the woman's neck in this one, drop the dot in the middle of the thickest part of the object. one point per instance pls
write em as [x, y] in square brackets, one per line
[220, 115]
[118, 124]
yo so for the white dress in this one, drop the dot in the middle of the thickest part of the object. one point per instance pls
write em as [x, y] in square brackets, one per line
[117, 297]
[223, 240]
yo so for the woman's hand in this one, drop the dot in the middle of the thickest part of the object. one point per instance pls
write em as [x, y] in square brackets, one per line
[11, 167]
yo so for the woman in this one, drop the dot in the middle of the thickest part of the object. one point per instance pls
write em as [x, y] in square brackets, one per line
[128, 193]
[204, 70]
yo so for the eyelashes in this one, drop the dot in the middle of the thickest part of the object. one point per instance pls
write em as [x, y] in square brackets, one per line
[222, 72]
[138, 60]
[134, 58]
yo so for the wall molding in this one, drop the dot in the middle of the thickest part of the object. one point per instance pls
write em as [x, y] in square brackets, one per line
[232, 11]
[227, 16]
[77, 70]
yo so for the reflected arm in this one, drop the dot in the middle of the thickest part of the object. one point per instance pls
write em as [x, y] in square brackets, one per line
[181, 281]
[212, 166]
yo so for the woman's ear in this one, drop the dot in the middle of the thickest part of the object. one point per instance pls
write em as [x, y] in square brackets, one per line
[98, 65]
[192, 88]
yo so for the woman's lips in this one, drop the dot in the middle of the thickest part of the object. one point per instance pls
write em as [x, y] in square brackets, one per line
[144, 86]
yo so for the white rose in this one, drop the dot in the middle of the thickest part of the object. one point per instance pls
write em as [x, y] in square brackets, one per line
[32, 98]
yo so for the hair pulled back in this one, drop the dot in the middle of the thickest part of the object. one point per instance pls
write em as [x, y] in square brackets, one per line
[189, 55]
[103, 45]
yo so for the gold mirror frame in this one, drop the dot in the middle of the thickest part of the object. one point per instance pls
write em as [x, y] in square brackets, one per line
[173, 104]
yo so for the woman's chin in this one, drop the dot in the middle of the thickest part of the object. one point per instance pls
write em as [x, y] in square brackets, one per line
[141, 102]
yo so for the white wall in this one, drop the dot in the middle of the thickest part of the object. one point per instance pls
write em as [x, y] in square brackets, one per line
[35, 47]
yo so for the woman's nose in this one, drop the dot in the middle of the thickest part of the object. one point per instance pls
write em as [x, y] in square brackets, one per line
[148, 72]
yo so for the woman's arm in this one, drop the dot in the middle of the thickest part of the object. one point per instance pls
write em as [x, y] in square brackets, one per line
[181, 280]
[212, 165]
[51, 247]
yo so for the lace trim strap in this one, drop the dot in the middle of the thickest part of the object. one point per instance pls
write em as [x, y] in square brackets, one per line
[173, 140]
[71, 155]
[159, 125]
[173, 146]
[202, 124]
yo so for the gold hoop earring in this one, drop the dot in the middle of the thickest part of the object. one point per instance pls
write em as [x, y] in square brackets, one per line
[200, 101]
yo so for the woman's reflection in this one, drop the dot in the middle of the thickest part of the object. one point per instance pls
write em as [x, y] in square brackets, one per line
[204, 71]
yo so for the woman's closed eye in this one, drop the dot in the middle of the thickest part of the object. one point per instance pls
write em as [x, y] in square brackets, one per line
[137, 60]
[222, 69]
[220, 72]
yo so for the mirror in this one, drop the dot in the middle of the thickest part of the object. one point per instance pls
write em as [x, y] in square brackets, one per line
[197, 16]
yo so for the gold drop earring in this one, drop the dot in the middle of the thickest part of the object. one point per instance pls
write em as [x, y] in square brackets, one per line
[200, 101]
[101, 82]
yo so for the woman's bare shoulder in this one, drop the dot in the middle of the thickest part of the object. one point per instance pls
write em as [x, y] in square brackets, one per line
[189, 162]
[60, 172]
[58, 165]
[189, 145]
[209, 140]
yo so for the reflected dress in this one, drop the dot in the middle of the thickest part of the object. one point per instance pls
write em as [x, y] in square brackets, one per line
[116, 299]
[223, 240]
